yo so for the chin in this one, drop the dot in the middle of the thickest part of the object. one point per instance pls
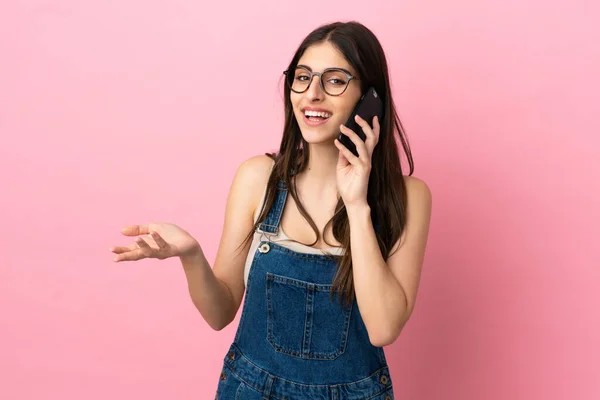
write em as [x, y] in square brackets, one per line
[318, 134]
[318, 137]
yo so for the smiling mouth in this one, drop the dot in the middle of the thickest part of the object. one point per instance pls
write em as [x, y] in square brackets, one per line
[317, 116]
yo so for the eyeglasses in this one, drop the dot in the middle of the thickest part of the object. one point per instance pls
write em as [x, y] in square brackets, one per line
[334, 81]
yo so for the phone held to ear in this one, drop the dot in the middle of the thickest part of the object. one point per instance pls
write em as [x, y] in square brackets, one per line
[369, 106]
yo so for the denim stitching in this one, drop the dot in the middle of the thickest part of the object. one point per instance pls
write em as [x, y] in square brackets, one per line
[303, 353]
[279, 206]
[323, 258]
[242, 317]
[239, 390]
[250, 385]
[380, 393]
[308, 320]
[343, 385]
[323, 287]
[273, 218]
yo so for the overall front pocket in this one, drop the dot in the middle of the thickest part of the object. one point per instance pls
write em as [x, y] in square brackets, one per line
[303, 322]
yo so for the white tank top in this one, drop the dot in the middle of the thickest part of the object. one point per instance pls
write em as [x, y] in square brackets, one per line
[282, 240]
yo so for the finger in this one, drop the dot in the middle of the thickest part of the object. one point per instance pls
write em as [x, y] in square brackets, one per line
[135, 251]
[143, 245]
[135, 230]
[160, 242]
[342, 160]
[123, 249]
[143, 250]
[371, 137]
[361, 147]
[130, 256]
[352, 159]
[365, 126]
[376, 128]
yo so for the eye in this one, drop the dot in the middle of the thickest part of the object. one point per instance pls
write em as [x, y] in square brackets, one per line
[337, 81]
[335, 78]
[302, 78]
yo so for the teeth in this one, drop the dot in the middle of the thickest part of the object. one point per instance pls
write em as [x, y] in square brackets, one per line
[317, 114]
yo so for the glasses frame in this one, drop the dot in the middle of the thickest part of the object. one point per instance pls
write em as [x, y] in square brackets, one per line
[349, 76]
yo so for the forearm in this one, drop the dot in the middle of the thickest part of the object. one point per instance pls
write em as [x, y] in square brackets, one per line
[380, 297]
[210, 296]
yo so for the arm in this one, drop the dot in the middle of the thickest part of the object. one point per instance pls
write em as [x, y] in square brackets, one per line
[386, 292]
[210, 295]
[217, 293]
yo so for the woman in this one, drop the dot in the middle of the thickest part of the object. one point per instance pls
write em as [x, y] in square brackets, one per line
[319, 307]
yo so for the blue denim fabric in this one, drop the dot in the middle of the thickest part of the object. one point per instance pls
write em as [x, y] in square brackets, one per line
[293, 341]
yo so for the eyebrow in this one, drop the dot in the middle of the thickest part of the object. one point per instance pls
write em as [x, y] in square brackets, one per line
[310, 69]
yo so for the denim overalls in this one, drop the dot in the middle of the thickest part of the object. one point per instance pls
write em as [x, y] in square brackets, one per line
[292, 341]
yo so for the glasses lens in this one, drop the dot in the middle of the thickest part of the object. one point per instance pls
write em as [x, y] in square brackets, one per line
[334, 82]
[299, 80]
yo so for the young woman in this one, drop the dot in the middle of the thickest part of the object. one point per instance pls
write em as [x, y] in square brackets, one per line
[327, 246]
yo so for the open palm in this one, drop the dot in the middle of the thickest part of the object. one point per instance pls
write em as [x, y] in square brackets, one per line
[161, 240]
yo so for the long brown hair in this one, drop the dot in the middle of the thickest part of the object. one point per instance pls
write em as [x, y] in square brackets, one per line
[386, 191]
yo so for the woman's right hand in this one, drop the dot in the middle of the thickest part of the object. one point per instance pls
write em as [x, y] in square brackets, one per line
[162, 240]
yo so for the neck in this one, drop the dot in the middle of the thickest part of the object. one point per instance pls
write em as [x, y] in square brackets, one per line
[320, 173]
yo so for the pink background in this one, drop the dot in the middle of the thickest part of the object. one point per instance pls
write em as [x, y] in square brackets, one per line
[122, 112]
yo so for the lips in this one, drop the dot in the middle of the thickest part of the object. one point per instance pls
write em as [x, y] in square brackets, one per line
[315, 121]
[314, 110]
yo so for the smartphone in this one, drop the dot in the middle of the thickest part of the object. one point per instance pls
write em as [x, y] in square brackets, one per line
[368, 106]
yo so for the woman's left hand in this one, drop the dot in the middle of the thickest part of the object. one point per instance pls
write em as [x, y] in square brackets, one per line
[353, 172]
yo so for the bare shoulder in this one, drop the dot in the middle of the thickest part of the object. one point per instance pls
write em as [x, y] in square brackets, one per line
[417, 188]
[257, 168]
[418, 210]
[418, 197]
[253, 174]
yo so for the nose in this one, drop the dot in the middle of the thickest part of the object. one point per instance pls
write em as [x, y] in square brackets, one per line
[315, 92]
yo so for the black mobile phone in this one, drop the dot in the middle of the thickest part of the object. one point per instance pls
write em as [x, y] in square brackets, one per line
[368, 106]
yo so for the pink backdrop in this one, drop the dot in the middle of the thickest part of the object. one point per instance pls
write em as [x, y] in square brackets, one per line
[122, 112]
